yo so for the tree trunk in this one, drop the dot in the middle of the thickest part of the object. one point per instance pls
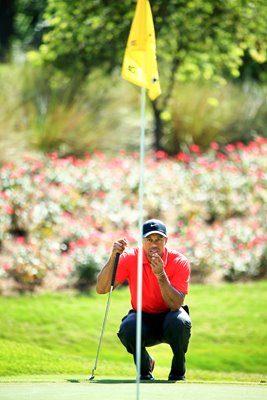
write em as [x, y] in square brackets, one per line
[7, 12]
[158, 126]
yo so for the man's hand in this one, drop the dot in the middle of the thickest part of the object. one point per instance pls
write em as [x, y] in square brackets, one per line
[119, 246]
[105, 275]
[170, 295]
[157, 264]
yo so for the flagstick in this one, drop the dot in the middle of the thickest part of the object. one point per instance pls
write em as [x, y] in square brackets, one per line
[140, 244]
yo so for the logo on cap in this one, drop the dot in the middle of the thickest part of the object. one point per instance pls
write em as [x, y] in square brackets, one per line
[154, 226]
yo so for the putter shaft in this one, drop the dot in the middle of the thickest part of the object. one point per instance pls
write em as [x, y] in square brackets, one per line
[106, 314]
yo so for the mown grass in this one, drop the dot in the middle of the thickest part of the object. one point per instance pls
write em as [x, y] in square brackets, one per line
[50, 334]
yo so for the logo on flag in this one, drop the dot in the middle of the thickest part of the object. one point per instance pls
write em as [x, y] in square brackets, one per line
[140, 63]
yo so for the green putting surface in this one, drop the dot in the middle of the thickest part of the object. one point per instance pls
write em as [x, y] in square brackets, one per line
[118, 390]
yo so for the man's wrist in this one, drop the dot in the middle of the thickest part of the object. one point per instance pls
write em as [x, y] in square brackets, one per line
[160, 274]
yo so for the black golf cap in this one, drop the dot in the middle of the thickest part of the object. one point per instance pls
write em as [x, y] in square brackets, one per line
[154, 226]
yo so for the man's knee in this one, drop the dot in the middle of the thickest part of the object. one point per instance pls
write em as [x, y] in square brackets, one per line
[177, 323]
[127, 332]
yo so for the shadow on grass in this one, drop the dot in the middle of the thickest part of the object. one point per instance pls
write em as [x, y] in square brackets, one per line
[116, 381]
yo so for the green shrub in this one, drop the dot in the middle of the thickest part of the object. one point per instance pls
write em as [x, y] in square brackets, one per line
[30, 264]
[85, 270]
[203, 113]
[44, 111]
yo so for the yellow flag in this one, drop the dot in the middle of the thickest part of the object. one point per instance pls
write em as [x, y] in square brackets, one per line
[140, 63]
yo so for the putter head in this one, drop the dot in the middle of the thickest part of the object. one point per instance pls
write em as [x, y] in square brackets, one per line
[92, 375]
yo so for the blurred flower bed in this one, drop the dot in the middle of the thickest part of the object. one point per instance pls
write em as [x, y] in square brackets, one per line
[59, 217]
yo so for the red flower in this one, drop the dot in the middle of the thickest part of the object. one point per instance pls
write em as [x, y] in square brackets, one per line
[214, 146]
[195, 148]
[160, 154]
[6, 267]
[72, 246]
[240, 146]
[260, 175]
[183, 157]
[260, 140]
[100, 155]
[81, 242]
[9, 210]
[20, 240]
[53, 156]
[70, 268]
[102, 195]
[230, 148]
[221, 156]
[3, 195]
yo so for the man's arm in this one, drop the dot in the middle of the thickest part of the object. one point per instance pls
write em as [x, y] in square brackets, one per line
[105, 275]
[171, 296]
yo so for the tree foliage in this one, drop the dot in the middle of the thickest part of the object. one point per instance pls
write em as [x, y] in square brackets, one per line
[200, 38]
[29, 25]
[196, 39]
[21, 24]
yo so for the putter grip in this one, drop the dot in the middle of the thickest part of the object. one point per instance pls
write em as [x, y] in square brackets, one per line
[115, 268]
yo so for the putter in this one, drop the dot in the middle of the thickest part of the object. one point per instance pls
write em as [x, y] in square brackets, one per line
[106, 314]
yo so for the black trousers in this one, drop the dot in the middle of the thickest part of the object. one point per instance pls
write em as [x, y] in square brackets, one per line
[172, 327]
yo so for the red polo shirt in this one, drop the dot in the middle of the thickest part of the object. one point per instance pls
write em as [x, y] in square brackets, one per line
[176, 267]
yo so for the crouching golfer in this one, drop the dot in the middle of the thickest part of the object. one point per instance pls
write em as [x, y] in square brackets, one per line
[165, 283]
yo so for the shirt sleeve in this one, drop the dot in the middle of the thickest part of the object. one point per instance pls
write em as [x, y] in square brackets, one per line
[181, 274]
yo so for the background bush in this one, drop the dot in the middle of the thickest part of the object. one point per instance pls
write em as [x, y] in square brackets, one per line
[46, 112]
[58, 213]
[203, 113]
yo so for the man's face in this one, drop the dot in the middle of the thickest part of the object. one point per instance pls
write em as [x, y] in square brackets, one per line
[154, 243]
